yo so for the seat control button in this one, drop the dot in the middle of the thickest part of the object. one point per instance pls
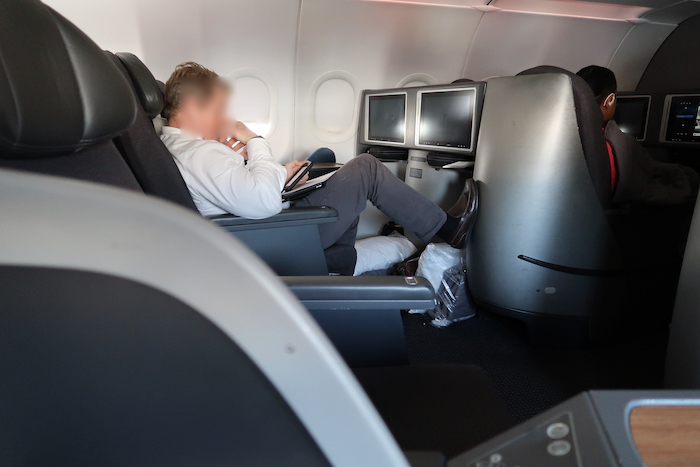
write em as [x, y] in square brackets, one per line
[559, 448]
[557, 430]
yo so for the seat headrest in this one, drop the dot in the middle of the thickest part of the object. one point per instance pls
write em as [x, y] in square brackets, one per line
[147, 88]
[58, 91]
[590, 121]
[543, 69]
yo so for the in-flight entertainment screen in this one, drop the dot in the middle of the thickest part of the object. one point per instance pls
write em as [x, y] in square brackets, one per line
[446, 118]
[683, 119]
[631, 115]
[386, 118]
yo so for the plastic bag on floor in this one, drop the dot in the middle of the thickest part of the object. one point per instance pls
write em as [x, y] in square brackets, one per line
[434, 261]
[453, 302]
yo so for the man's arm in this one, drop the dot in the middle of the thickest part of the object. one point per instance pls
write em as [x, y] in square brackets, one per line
[221, 176]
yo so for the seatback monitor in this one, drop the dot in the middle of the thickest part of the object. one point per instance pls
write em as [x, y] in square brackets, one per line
[683, 119]
[386, 118]
[446, 119]
[632, 114]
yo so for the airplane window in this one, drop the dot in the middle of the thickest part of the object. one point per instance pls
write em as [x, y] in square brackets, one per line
[335, 106]
[251, 104]
[415, 84]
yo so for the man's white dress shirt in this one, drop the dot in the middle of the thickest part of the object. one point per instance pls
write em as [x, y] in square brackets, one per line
[221, 182]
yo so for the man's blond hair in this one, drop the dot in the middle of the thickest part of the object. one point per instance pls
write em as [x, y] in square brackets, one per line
[189, 78]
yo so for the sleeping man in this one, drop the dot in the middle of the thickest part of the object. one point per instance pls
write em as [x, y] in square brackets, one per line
[221, 181]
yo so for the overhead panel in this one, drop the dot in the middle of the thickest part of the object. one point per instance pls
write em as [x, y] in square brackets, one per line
[636, 50]
[510, 42]
[674, 12]
[279, 54]
[573, 8]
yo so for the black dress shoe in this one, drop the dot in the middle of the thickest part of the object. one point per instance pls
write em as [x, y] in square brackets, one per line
[465, 210]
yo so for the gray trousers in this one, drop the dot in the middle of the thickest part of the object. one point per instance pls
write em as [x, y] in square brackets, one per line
[365, 178]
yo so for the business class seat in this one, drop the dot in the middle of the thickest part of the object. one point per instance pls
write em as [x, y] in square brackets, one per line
[549, 247]
[158, 175]
[119, 347]
[135, 332]
[362, 317]
[542, 249]
[683, 355]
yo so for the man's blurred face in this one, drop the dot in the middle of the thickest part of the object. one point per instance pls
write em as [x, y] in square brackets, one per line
[206, 117]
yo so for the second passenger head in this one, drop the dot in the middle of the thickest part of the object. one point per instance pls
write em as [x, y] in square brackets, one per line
[604, 85]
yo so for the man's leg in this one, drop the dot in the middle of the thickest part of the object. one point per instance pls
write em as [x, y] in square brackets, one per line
[365, 178]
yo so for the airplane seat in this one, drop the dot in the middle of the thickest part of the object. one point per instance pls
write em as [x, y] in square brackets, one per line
[683, 354]
[66, 101]
[542, 250]
[135, 332]
[119, 347]
[60, 127]
[648, 240]
[157, 173]
[590, 124]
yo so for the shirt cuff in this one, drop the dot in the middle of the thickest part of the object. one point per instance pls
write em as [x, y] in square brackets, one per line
[259, 147]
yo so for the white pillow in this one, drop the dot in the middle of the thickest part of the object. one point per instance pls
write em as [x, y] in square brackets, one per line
[376, 253]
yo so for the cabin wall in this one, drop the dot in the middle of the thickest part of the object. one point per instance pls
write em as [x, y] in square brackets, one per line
[675, 67]
[299, 66]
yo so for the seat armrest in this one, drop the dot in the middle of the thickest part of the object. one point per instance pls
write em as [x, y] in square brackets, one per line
[362, 292]
[287, 218]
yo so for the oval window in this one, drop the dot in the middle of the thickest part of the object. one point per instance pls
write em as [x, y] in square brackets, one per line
[335, 106]
[251, 104]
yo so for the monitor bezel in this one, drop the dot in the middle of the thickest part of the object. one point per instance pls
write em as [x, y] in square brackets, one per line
[666, 120]
[646, 122]
[446, 149]
[405, 118]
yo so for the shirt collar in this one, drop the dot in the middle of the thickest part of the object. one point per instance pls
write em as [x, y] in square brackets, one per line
[170, 130]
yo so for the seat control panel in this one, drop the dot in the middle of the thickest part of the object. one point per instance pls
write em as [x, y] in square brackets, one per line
[549, 444]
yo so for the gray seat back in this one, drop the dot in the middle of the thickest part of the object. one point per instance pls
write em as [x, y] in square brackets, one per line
[133, 331]
[139, 330]
[541, 245]
[590, 124]
[62, 99]
[149, 159]
[683, 356]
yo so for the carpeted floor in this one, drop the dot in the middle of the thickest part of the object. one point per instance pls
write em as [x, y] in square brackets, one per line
[531, 379]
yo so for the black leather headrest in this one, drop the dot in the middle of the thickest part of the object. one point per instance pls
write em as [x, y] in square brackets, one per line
[58, 91]
[147, 88]
[590, 123]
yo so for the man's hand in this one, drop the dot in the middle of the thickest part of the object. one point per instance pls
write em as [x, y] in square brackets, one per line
[292, 168]
[236, 145]
[239, 131]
